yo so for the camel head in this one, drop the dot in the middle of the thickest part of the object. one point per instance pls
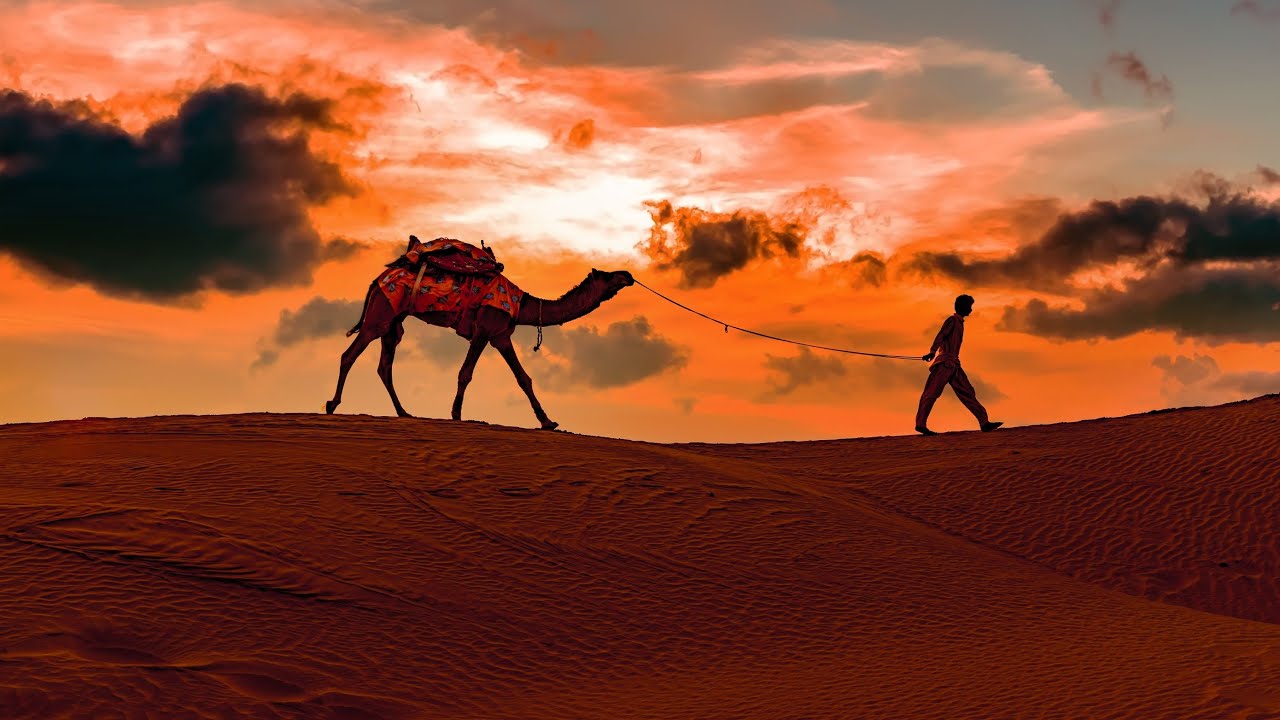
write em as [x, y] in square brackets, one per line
[612, 282]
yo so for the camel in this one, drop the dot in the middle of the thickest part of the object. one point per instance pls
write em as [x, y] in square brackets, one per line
[492, 327]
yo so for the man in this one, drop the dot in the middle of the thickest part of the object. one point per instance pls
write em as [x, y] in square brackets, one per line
[945, 369]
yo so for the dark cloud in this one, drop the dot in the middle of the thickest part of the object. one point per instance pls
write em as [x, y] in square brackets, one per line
[804, 368]
[1268, 175]
[1187, 370]
[1211, 303]
[625, 352]
[1128, 66]
[833, 377]
[985, 391]
[1198, 269]
[1250, 383]
[317, 318]
[1197, 379]
[324, 319]
[1256, 10]
[581, 135]
[869, 268]
[266, 357]
[213, 198]
[705, 246]
[1150, 231]
[341, 248]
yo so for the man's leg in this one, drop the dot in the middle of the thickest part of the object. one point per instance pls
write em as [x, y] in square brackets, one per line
[964, 390]
[939, 375]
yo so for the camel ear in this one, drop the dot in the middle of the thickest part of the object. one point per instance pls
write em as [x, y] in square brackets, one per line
[413, 241]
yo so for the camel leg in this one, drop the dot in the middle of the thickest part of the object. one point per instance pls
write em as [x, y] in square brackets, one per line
[389, 343]
[525, 382]
[376, 322]
[478, 344]
[363, 338]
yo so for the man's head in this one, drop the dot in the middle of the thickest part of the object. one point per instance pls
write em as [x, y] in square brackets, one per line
[964, 305]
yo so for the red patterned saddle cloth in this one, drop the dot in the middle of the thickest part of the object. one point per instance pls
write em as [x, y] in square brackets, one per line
[441, 289]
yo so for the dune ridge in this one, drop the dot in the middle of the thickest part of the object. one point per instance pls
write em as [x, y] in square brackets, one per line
[307, 566]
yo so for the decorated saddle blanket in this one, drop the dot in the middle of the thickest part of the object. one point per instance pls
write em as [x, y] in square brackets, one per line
[443, 291]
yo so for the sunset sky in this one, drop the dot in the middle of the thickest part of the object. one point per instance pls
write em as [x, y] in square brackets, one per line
[194, 198]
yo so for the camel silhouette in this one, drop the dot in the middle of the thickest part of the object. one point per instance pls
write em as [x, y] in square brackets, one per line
[491, 326]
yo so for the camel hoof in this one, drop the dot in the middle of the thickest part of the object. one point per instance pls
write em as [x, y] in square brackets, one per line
[549, 425]
[403, 414]
[329, 407]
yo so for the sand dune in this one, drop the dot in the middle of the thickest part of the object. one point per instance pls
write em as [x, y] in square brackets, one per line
[300, 566]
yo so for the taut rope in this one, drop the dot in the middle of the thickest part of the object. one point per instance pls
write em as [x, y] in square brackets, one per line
[757, 334]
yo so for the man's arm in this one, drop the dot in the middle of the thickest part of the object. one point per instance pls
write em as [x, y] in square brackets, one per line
[942, 335]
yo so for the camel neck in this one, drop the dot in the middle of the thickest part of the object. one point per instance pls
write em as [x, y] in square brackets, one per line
[579, 301]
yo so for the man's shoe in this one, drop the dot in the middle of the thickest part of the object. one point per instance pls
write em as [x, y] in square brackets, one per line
[925, 431]
[988, 427]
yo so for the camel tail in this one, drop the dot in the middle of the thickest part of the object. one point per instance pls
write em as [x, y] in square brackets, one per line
[367, 297]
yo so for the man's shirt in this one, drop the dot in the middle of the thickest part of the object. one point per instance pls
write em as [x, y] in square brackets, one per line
[947, 343]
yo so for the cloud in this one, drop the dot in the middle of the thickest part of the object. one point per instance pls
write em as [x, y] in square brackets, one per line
[1197, 379]
[581, 135]
[804, 368]
[986, 392]
[1149, 232]
[1107, 13]
[832, 376]
[1250, 383]
[1187, 370]
[1211, 303]
[1268, 175]
[869, 268]
[323, 319]
[705, 246]
[213, 198]
[317, 318]
[1128, 66]
[1257, 10]
[624, 353]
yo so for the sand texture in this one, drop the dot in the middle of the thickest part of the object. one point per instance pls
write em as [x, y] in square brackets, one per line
[310, 566]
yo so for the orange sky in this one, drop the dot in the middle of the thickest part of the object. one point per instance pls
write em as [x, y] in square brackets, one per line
[552, 160]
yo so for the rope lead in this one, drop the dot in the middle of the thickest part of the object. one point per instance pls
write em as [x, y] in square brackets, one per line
[753, 332]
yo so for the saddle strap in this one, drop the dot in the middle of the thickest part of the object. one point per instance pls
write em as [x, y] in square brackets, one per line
[417, 283]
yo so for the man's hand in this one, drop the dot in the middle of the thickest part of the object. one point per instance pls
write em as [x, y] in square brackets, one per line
[928, 357]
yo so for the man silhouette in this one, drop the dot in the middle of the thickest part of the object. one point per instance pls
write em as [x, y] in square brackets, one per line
[945, 369]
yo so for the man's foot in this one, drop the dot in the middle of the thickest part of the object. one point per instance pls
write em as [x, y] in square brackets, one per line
[924, 430]
[989, 426]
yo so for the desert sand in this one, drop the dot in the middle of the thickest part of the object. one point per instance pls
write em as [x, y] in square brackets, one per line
[311, 566]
